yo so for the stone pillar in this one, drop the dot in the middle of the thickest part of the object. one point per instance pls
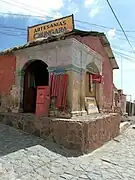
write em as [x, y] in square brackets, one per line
[75, 89]
[76, 92]
[69, 89]
[99, 95]
[83, 92]
[71, 96]
[19, 85]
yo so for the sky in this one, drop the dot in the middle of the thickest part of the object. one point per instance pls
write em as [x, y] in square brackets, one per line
[95, 15]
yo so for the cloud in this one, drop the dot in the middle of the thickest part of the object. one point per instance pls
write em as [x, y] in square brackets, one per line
[94, 12]
[73, 8]
[127, 72]
[29, 7]
[89, 2]
[94, 7]
[57, 15]
[111, 34]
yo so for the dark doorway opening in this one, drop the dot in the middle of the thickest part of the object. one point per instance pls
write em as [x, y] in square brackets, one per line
[36, 74]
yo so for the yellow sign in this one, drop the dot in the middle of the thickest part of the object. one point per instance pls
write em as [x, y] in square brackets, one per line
[58, 26]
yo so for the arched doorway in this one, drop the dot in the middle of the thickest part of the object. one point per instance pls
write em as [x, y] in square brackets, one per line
[35, 74]
[91, 87]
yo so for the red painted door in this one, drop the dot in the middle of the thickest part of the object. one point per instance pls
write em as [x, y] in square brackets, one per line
[43, 100]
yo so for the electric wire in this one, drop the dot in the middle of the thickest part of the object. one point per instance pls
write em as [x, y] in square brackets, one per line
[23, 29]
[12, 35]
[102, 26]
[120, 25]
[16, 5]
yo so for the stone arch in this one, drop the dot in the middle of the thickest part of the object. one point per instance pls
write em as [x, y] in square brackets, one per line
[94, 67]
[94, 63]
[35, 64]
[30, 62]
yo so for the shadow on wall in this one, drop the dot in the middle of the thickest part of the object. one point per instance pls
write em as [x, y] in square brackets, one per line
[13, 140]
[130, 108]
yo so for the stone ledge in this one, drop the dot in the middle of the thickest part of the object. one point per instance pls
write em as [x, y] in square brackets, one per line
[124, 126]
[77, 133]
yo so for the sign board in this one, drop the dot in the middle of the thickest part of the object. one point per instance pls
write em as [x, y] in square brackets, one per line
[96, 78]
[58, 26]
[91, 105]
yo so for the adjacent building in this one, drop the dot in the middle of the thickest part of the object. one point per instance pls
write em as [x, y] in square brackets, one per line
[119, 101]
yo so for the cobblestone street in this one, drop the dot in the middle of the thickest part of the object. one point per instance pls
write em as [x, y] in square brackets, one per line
[25, 157]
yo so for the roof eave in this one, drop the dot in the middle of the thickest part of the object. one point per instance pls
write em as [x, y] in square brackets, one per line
[109, 51]
[113, 63]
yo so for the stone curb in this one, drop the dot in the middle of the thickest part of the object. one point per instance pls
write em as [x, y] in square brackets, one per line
[124, 126]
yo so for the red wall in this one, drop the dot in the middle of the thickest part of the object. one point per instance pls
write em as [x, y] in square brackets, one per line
[7, 73]
[107, 71]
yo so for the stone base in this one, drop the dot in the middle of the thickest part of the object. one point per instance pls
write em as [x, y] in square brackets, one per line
[59, 114]
[85, 133]
[124, 126]
[78, 113]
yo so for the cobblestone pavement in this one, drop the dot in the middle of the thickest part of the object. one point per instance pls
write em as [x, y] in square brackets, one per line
[25, 157]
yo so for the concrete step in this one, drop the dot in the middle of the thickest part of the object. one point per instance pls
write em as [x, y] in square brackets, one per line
[124, 126]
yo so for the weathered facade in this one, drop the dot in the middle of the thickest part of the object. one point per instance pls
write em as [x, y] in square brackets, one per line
[119, 101]
[81, 57]
[78, 57]
[100, 44]
[7, 81]
[69, 56]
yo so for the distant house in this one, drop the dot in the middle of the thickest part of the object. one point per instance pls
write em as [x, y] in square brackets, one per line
[119, 99]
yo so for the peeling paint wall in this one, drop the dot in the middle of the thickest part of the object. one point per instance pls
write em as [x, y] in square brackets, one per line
[69, 54]
[7, 83]
[107, 71]
[56, 54]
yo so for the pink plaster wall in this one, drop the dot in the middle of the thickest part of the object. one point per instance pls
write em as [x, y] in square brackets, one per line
[7, 73]
[107, 71]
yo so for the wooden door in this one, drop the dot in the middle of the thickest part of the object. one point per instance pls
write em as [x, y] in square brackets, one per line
[29, 99]
[43, 100]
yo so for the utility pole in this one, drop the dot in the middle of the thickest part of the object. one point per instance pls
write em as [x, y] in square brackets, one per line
[121, 73]
[130, 105]
[130, 97]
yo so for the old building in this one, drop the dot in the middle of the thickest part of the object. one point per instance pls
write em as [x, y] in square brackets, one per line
[79, 55]
[119, 101]
[66, 75]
